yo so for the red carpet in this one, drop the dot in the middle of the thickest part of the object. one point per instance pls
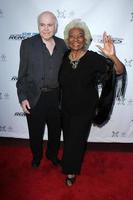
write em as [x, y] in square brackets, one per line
[104, 176]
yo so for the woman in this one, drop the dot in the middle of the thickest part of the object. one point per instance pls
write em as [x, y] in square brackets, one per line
[78, 80]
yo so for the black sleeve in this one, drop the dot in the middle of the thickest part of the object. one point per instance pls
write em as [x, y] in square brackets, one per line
[22, 72]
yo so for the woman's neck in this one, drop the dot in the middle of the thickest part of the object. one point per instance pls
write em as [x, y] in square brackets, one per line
[76, 55]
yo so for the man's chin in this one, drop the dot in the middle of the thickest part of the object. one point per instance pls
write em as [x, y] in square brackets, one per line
[47, 38]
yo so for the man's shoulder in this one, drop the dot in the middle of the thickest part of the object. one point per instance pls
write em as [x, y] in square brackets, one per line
[31, 39]
[59, 40]
[60, 43]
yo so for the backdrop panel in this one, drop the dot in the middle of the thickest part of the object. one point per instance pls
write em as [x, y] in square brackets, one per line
[18, 20]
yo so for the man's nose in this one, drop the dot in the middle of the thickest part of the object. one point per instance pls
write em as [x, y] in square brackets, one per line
[45, 27]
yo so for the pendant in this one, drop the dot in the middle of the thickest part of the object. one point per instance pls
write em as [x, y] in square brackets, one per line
[74, 64]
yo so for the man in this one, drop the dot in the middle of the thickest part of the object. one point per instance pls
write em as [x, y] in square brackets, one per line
[38, 88]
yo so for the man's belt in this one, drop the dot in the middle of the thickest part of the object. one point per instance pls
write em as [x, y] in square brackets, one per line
[47, 89]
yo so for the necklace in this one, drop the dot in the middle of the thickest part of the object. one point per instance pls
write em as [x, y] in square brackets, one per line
[74, 63]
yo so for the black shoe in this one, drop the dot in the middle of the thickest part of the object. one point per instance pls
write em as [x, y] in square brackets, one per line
[55, 161]
[35, 163]
[70, 180]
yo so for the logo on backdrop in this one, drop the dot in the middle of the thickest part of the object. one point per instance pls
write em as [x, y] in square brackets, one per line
[118, 134]
[128, 63]
[131, 17]
[130, 102]
[1, 13]
[64, 14]
[3, 58]
[121, 101]
[21, 36]
[4, 96]
[4, 128]
[115, 133]
[14, 78]
[124, 101]
[99, 39]
[123, 134]
[19, 114]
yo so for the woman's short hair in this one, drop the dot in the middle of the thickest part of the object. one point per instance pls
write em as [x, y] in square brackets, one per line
[77, 23]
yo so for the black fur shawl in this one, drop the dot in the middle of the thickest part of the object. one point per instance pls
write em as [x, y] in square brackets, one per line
[108, 94]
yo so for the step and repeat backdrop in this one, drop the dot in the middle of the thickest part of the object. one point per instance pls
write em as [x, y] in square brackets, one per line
[18, 20]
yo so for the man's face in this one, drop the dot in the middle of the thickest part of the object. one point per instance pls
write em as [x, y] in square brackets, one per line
[46, 26]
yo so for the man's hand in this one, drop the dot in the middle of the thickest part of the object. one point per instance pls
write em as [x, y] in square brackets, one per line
[25, 106]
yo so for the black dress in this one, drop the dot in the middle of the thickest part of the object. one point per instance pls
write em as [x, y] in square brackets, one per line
[79, 100]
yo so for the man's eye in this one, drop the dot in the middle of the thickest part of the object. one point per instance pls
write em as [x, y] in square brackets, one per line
[41, 24]
[50, 25]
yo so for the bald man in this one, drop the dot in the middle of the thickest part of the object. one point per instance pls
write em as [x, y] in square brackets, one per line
[38, 87]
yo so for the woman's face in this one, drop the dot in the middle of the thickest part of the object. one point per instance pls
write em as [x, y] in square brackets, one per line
[76, 39]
